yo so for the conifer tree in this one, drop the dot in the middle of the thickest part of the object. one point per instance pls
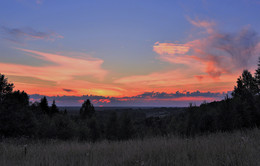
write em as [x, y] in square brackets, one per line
[5, 87]
[246, 86]
[257, 76]
[44, 106]
[54, 108]
[87, 110]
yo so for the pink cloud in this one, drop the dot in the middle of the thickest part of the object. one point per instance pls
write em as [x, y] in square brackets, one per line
[207, 25]
[170, 48]
[215, 54]
[62, 72]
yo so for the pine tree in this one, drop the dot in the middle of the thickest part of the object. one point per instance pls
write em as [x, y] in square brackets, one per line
[257, 76]
[44, 106]
[246, 86]
[238, 90]
[87, 110]
[54, 108]
[249, 82]
[5, 87]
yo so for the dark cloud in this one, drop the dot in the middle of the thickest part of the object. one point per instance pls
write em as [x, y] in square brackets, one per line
[20, 35]
[226, 52]
[240, 46]
[145, 99]
[68, 90]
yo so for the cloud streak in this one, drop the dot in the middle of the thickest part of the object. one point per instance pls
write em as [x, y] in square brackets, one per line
[20, 35]
[61, 72]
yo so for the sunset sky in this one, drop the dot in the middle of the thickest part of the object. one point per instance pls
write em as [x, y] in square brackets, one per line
[128, 52]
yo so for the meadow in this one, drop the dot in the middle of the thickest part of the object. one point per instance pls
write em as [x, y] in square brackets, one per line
[226, 148]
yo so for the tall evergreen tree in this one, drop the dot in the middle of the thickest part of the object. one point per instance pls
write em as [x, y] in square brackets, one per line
[246, 85]
[87, 110]
[54, 108]
[44, 106]
[5, 87]
[257, 76]
[249, 82]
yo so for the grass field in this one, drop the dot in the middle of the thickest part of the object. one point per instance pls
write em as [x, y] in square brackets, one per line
[230, 149]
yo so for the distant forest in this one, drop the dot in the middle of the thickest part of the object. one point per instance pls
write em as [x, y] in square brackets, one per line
[38, 120]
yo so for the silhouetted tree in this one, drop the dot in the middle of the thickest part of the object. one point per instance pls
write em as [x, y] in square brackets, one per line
[44, 106]
[16, 118]
[54, 108]
[246, 86]
[5, 87]
[87, 110]
[257, 75]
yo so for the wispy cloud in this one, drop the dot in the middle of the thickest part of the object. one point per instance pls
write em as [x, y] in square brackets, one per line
[20, 35]
[62, 70]
[218, 53]
[178, 79]
[207, 25]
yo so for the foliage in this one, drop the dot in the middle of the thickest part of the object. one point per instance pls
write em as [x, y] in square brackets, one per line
[5, 87]
[44, 106]
[87, 110]
[54, 108]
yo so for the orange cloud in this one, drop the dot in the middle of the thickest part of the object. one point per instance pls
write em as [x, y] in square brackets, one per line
[170, 48]
[173, 53]
[104, 100]
[59, 75]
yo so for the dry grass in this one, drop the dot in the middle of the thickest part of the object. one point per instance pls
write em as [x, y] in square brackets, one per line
[238, 148]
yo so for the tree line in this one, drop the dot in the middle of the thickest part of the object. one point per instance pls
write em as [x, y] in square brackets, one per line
[38, 120]
[19, 117]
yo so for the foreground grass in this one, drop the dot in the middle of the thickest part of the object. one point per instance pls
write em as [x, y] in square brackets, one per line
[238, 148]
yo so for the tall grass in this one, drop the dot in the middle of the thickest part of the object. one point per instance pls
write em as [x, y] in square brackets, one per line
[231, 149]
